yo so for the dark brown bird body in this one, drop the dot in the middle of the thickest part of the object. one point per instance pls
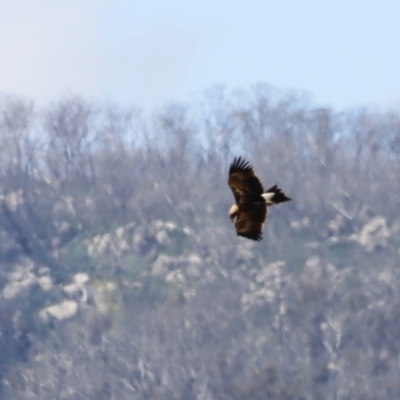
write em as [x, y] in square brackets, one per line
[250, 209]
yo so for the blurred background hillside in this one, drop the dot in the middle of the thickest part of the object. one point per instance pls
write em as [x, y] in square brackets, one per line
[122, 276]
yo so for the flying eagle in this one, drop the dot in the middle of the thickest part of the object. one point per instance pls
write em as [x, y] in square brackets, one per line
[250, 209]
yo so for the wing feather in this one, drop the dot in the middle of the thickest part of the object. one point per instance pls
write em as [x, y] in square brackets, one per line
[243, 181]
[250, 220]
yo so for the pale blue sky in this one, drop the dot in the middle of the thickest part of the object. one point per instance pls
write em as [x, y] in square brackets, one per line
[345, 53]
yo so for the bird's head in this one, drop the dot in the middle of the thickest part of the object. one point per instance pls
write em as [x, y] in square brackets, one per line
[233, 212]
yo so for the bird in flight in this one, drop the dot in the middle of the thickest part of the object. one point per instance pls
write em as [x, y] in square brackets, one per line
[250, 209]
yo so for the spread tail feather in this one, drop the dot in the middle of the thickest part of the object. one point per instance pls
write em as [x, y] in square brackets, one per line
[274, 195]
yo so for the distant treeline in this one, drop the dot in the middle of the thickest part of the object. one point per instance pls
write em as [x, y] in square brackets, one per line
[121, 217]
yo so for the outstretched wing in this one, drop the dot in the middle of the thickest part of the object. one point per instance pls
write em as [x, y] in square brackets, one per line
[243, 181]
[250, 220]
